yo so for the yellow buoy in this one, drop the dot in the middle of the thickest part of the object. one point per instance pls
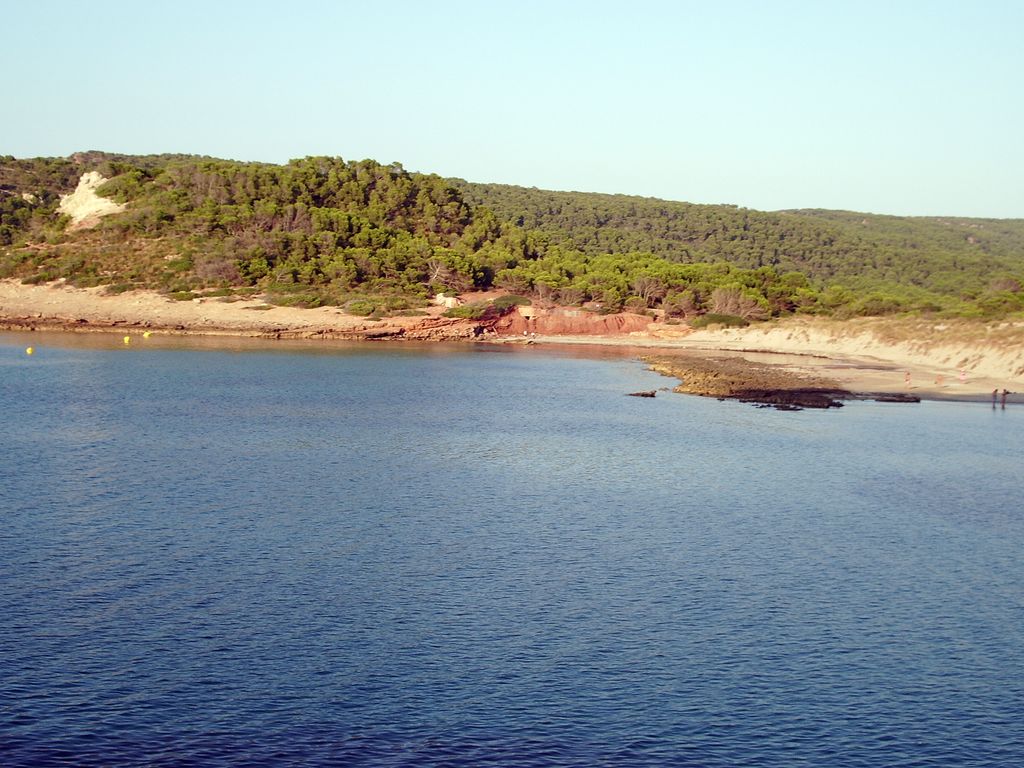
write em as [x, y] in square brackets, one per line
[145, 335]
[127, 339]
[29, 351]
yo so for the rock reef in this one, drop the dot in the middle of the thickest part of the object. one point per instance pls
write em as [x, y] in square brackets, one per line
[736, 378]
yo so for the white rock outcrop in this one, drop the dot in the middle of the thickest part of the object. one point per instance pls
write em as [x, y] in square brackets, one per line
[84, 206]
[448, 302]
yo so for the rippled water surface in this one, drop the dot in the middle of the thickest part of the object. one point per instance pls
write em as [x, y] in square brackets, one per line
[385, 556]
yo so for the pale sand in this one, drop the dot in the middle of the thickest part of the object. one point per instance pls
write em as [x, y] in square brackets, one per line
[84, 206]
[960, 359]
[951, 360]
[57, 303]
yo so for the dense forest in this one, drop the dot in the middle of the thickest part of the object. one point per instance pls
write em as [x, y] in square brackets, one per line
[377, 237]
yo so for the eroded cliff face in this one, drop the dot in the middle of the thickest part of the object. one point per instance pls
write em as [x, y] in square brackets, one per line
[427, 329]
[520, 322]
[568, 322]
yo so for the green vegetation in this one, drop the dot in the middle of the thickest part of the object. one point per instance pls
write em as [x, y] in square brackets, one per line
[944, 255]
[727, 321]
[511, 300]
[362, 307]
[377, 239]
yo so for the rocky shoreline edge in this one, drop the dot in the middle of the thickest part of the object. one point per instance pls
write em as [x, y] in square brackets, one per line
[768, 386]
[425, 329]
[894, 361]
[699, 373]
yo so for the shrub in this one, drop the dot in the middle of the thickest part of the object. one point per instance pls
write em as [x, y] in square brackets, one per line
[509, 301]
[301, 300]
[395, 303]
[46, 276]
[360, 307]
[178, 265]
[11, 261]
[468, 311]
[875, 304]
[218, 268]
[711, 318]
[71, 265]
[731, 301]
[86, 281]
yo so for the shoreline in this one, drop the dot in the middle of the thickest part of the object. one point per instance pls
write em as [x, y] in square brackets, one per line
[951, 361]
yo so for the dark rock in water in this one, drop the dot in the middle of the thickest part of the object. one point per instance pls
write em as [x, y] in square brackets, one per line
[792, 399]
[649, 393]
[769, 386]
[893, 397]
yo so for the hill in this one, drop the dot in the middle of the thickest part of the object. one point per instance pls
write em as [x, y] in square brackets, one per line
[947, 255]
[378, 238]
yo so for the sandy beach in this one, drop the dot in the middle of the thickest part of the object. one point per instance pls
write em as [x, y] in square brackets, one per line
[930, 359]
[58, 306]
[955, 361]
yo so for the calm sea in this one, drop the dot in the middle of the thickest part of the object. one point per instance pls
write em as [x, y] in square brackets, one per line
[219, 553]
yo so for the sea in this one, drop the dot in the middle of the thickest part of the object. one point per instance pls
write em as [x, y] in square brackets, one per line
[222, 552]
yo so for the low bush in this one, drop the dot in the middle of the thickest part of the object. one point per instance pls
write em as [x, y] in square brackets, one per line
[728, 321]
[468, 311]
[507, 302]
[360, 307]
[487, 310]
[301, 300]
[46, 276]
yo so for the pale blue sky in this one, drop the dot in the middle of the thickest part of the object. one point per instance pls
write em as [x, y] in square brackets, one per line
[890, 107]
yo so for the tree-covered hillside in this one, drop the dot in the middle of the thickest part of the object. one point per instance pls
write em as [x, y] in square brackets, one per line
[325, 230]
[946, 255]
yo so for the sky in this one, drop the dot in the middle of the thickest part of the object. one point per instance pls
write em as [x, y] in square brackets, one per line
[906, 108]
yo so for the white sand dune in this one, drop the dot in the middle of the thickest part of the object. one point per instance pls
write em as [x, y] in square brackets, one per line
[976, 349]
[84, 206]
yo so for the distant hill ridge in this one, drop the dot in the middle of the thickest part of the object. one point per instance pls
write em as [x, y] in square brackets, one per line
[939, 253]
[326, 230]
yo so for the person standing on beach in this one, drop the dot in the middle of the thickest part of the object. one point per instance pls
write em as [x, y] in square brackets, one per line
[995, 394]
[1005, 393]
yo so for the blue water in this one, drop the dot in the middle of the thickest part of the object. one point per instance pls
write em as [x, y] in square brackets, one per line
[384, 556]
